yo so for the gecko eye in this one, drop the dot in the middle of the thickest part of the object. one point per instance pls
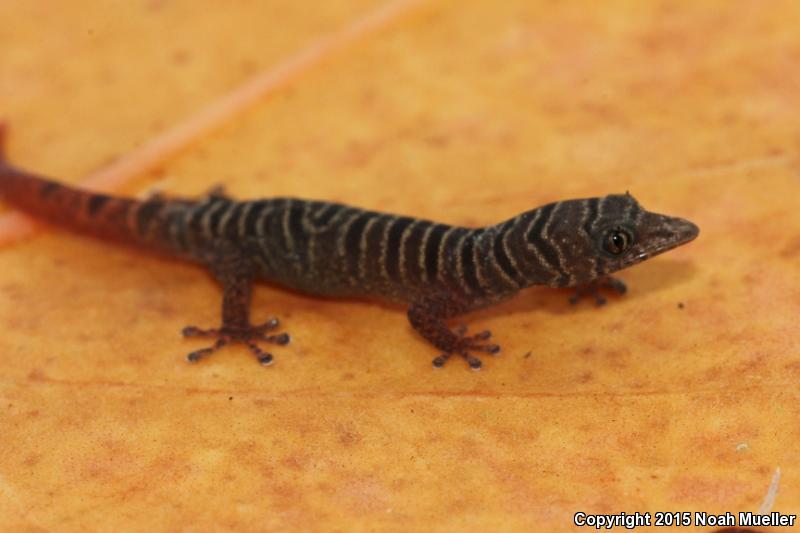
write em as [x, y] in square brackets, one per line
[617, 241]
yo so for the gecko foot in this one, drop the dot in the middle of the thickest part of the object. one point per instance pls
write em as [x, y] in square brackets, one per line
[593, 289]
[466, 344]
[247, 335]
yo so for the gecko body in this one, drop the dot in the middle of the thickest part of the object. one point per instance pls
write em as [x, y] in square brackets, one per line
[329, 249]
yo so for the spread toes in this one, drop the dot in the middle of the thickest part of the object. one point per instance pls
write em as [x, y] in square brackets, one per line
[249, 335]
[467, 344]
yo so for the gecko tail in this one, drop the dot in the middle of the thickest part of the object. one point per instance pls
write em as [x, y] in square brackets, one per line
[63, 206]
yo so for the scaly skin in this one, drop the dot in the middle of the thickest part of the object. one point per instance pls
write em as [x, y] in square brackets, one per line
[330, 249]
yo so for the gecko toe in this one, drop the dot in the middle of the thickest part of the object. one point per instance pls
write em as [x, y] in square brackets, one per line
[281, 339]
[474, 363]
[482, 336]
[194, 331]
[196, 355]
[618, 285]
[264, 358]
[439, 362]
[269, 325]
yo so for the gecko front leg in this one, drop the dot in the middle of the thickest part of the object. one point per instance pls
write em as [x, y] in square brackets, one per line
[236, 276]
[593, 289]
[429, 317]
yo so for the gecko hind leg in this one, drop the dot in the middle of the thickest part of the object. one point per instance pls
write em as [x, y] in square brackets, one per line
[594, 288]
[236, 276]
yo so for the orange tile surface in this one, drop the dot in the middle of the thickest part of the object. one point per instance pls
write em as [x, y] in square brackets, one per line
[467, 112]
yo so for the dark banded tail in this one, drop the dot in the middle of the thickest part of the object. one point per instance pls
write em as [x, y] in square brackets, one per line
[63, 206]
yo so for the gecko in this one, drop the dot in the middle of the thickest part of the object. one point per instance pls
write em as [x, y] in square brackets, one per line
[439, 271]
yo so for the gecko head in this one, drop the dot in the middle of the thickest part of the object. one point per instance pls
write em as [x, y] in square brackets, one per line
[623, 233]
[592, 237]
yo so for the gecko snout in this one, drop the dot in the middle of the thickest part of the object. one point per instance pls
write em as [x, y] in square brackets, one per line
[684, 230]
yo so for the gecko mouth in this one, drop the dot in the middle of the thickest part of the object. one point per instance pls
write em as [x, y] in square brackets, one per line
[670, 233]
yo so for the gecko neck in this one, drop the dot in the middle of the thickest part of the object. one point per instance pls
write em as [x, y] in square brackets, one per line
[518, 253]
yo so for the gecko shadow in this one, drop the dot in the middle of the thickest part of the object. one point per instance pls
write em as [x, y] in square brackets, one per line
[651, 278]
